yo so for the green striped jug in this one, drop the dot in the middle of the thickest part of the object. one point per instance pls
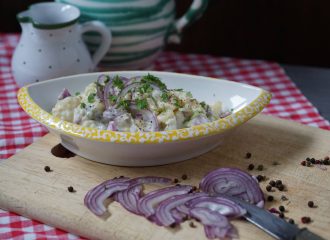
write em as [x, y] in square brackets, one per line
[140, 28]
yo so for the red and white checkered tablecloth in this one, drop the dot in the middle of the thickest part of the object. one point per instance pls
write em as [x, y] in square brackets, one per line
[17, 130]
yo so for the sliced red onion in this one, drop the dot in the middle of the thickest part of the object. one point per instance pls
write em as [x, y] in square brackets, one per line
[129, 198]
[178, 216]
[95, 197]
[108, 91]
[102, 80]
[64, 94]
[215, 224]
[233, 182]
[164, 216]
[216, 232]
[147, 116]
[148, 203]
[221, 205]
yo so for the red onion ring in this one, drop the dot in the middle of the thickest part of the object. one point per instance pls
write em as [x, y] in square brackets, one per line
[221, 205]
[147, 116]
[129, 198]
[164, 210]
[233, 182]
[148, 203]
[64, 94]
[215, 224]
[95, 197]
[102, 81]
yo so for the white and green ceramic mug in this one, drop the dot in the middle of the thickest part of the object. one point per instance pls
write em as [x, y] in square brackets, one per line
[140, 28]
[51, 43]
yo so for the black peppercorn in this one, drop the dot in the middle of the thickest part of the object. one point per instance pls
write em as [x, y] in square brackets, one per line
[251, 167]
[184, 176]
[308, 159]
[313, 160]
[248, 155]
[278, 182]
[291, 221]
[270, 198]
[192, 225]
[281, 215]
[269, 188]
[272, 183]
[280, 187]
[305, 220]
[260, 178]
[175, 180]
[317, 162]
[281, 208]
[71, 189]
[260, 167]
[303, 163]
[310, 204]
[47, 169]
[326, 162]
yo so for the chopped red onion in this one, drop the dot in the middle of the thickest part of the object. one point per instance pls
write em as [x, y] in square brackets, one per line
[64, 94]
[233, 182]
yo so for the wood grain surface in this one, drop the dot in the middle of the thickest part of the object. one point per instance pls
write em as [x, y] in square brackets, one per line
[25, 188]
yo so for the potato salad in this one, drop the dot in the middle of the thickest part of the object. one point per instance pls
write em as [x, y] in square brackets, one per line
[137, 104]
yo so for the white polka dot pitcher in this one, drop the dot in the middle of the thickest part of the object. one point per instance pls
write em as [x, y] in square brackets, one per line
[51, 43]
[140, 28]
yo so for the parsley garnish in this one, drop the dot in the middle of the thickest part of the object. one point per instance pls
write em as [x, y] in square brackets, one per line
[141, 103]
[145, 88]
[177, 103]
[91, 97]
[117, 82]
[164, 96]
[179, 89]
[124, 104]
[82, 105]
[77, 93]
[203, 104]
[189, 94]
[153, 80]
[112, 98]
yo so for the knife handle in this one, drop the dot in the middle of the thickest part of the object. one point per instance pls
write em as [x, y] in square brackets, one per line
[305, 234]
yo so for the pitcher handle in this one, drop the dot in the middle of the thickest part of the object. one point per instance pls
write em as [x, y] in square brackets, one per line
[106, 37]
[195, 11]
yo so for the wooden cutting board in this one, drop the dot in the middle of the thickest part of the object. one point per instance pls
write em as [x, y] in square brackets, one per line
[25, 188]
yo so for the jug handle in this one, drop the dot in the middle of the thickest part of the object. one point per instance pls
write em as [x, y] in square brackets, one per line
[106, 37]
[195, 11]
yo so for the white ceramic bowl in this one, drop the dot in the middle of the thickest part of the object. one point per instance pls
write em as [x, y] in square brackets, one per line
[148, 148]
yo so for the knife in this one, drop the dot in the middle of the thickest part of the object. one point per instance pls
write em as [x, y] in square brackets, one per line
[273, 225]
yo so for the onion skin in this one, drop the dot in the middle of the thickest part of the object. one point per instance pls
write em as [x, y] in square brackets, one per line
[233, 182]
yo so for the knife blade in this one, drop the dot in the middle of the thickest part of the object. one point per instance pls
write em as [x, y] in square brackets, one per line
[273, 225]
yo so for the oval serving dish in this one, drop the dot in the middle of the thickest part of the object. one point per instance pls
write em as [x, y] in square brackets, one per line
[145, 148]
